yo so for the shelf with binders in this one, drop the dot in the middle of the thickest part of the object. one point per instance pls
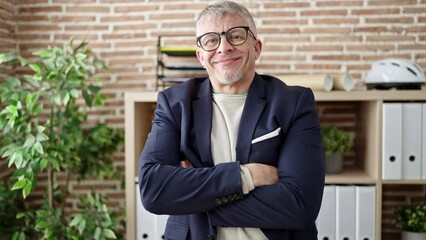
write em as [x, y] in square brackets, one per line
[176, 61]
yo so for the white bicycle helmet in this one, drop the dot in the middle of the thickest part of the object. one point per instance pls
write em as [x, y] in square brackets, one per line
[394, 72]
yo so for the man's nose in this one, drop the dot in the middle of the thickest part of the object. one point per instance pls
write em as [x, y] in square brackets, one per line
[224, 46]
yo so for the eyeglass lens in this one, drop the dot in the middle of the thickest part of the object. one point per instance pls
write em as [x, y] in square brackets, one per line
[235, 36]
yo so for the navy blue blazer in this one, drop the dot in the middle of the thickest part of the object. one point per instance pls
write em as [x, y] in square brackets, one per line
[207, 196]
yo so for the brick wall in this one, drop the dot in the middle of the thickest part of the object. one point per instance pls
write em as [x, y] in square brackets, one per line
[7, 43]
[299, 37]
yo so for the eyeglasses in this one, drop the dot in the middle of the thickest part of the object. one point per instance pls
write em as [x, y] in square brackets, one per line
[235, 36]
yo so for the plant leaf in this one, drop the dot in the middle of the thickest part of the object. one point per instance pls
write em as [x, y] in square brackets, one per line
[97, 233]
[76, 220]
[82, 225]
[43, 164]
[87, 98]
[29, 142]
[108, 233]
[41, 137]
[19, 184]
[38, 147]
[35, 67]
[19, 173]
[27, 189]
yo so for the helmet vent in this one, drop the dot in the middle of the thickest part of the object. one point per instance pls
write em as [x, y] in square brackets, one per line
[412, 71]
[396, 64]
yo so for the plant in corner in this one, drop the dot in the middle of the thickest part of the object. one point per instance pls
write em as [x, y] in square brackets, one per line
[410, 218]
[44, 132]
[335, 142]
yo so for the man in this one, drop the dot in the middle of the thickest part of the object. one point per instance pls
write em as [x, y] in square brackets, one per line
[237, 155]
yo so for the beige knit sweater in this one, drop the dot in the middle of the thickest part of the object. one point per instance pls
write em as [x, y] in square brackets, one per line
[227, 111]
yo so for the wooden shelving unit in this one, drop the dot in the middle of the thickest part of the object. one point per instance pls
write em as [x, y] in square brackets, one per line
[140, 106]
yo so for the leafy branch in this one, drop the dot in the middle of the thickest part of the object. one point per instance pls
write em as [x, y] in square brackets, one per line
[43, 127]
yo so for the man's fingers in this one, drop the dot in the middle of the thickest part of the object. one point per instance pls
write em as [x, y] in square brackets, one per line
[185, 164]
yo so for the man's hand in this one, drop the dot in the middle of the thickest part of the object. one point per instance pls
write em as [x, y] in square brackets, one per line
[262, 174]
[185, 164]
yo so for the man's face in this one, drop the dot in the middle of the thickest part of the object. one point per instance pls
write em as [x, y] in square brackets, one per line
[229, 65]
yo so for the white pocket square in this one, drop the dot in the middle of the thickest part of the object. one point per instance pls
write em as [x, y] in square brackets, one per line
[266, 136]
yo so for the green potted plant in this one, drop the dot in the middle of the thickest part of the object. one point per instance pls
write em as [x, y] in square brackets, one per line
[335, 142]
[44, 130]
[410, 218]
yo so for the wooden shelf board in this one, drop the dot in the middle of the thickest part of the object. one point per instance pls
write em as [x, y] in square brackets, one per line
[370, 95]
[367, 95]
[350, 176]
[405, 181]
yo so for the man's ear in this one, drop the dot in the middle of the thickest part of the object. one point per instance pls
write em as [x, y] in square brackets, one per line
[200, 57]
[257, 48]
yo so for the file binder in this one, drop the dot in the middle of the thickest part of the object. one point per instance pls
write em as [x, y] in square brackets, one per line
[326, 218]
[411, 140]
[145, 221]
[161, 225]
[345, 212]
[392, 141]
[365, 212]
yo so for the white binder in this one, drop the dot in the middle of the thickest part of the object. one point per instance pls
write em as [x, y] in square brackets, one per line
[345, 212]
[424, 141]
[392, 141]
[326, 218]
[161, 221]
[145, 221]
[411, 140]
[365, 213]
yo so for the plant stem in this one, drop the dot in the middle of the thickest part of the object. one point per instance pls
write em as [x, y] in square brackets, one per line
[50, 186]
[66, 191]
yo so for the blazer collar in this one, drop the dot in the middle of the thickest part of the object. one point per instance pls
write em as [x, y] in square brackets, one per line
[203, 110]
[253, 108]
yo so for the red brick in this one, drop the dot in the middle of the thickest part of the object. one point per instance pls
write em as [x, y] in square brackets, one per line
[338, 3]
[115, 19]
[63, 18]
[336, 21]
[316, 48]
[88, 9]
[331, 57]
[378, 11]
[74, 1]
[287, 5]
[128, 9]
[390, 20]
[391, 2]
[279, 14]
[41, 10]
[37, 28]
[324, 13]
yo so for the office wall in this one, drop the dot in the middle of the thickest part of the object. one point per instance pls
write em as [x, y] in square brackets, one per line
[304, 36]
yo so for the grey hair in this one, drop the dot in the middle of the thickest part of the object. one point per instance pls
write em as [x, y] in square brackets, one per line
[219, 9]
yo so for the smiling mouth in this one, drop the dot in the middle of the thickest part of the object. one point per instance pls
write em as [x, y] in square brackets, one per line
[226, 61]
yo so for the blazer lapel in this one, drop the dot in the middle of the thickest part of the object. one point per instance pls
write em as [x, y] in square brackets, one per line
[253, 108]
[203, 122]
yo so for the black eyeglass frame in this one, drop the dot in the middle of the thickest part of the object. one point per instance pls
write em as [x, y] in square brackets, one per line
[219, 34]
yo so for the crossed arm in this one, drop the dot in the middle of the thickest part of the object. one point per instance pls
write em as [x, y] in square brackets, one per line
[261, 174]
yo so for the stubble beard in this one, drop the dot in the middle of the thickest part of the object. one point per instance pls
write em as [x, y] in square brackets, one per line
[229, 78]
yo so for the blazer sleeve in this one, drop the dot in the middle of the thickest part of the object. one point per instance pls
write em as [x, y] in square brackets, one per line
[167, 188]
[294, 202]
